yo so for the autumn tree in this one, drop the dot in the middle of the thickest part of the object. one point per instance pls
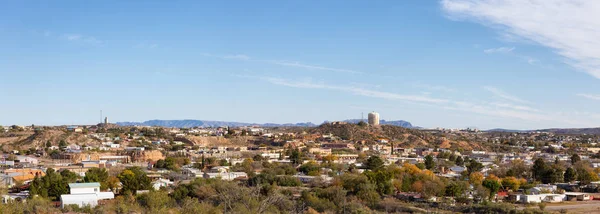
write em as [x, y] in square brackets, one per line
[511, 183]
[476, 178]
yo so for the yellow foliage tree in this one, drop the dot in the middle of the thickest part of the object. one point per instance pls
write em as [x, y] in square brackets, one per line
[411, 169]
[476, 178]
[511, 183]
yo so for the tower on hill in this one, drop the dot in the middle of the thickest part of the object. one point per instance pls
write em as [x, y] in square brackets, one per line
[374, 118]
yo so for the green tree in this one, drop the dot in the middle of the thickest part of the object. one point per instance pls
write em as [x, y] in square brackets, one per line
[539, 169]
[310, 168]
[55, 184]
[553, 174]
[382, 180]
[575, 158]
[62, 144]
[97, 175]
[362, 123]
[429, 162]
[37, 187]
[474, 166]
[134, 179]
[493, 186]
[156, 201]
[459, 161]
[297, 157]
[455, 189]
[69, 177]
[48, 144]
[570, 175]
[374, 163]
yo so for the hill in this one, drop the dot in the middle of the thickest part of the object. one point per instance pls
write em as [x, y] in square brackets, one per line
[400, 136]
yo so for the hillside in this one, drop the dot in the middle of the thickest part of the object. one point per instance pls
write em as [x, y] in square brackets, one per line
[404, 137]
[31, 139]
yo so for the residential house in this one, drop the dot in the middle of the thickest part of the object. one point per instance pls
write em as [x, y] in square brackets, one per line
[157, 184]
[319, 151]
[83, 194]
[222, 172]
[550, 198]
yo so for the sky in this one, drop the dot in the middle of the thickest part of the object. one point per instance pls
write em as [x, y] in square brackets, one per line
[436, 63]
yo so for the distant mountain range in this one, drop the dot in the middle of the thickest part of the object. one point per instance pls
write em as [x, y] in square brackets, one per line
[208, 123]
[591, 131]
[400, 123]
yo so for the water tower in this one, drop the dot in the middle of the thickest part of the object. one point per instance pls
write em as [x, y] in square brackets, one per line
[374, 118]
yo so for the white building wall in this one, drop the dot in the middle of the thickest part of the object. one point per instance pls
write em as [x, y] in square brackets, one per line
[85, 190]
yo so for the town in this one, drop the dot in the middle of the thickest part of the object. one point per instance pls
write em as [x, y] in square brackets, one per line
[336, 166]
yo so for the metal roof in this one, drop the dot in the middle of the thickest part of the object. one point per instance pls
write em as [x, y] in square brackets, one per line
[83, 185]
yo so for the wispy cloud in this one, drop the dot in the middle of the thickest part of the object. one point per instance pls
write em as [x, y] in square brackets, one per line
[72, 37]
[499, 50]
[309, 84]
[514, 107]
[146, 45]
[311, 67]
[499, 93]
[434, 87]
[571, 28]
[281, 63]
[502, 110]
[237, 56]
[82, 38]
[590, 96]
[510, 51]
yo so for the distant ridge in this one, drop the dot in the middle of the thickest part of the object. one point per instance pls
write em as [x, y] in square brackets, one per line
[400, 123]
[208, 123]
[590, 131]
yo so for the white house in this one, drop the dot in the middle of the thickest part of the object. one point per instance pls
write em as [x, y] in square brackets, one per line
[27, 159]
[161, 183]
[227, 176]
[543, 188]
[83, 194]
[271, 155]
[192, 172]
[551, 198]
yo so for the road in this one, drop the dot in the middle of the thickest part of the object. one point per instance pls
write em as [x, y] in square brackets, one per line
[576, 207]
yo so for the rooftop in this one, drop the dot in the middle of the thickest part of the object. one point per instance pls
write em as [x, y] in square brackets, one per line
[83, 185]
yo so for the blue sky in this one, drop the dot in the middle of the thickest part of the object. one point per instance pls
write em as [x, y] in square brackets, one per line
[448, 63]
